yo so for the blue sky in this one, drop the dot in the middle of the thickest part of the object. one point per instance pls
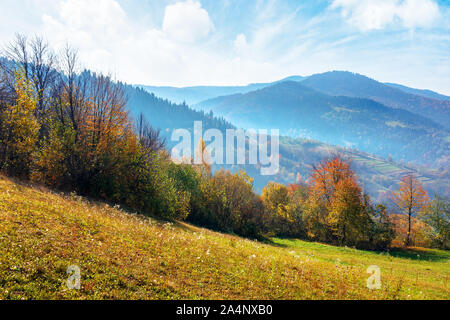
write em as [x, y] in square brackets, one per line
[228, 42]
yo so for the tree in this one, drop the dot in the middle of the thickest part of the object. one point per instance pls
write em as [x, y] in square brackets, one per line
[283, 207]
[380, 229]
[275, 198]
[327, 175]
[149, 137]
[227, 203]
[19, 129]
[437, 216]
[336, 210]
[38, 64]
[346, 214]
[324, 180]
[204, 162]
[411, 198]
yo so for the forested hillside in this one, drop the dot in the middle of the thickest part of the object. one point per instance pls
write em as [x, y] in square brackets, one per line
[166, 115]
[339, 83]
[364, 124]
[420, 92]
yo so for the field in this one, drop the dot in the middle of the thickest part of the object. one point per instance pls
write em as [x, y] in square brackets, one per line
[127, 256]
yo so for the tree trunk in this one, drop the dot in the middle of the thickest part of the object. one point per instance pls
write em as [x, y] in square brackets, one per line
[408, 236]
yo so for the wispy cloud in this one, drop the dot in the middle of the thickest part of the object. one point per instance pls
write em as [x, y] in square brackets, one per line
[378, 14]
[191, 42]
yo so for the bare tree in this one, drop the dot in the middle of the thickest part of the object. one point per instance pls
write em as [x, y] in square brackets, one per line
[5, 93]
[43, 72]
[38, 64]
[108, 106]
[17, 51]
[149, 137]
[70, 91]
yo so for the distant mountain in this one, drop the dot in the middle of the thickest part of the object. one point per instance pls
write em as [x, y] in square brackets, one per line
[194, 95]
[420, 92]
[298, 110]
[342, 83]
[297, 156]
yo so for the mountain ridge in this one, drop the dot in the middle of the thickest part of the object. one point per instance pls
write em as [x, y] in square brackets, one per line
[427, 103]
[192, 95]
[344, 83]
[294, 108]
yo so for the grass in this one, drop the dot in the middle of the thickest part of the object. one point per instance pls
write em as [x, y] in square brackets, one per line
[128, 256]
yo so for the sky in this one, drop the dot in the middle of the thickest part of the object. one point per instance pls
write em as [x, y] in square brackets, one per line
[236, 42]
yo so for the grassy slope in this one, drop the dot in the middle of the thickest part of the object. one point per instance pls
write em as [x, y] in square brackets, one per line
[131, 257]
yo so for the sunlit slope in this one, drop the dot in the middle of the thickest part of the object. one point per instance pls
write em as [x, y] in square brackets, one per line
[125, 256]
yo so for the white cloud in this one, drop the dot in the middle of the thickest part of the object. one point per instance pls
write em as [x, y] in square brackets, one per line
[109, 41]
[377, 14]
[140, 43]
[86, 23]
[187, 21]
[240, 44]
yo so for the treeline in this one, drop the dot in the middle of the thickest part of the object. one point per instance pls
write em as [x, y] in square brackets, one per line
[168, 115]
[70, 130]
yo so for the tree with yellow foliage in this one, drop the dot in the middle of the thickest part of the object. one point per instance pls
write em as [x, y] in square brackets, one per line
[346, 213]
[19, 129]
[280, 210]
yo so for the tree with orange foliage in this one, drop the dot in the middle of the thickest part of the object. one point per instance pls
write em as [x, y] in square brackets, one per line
[411, 198]
[336, 211]
[326, 177]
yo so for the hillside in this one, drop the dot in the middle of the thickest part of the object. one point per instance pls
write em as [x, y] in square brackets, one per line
[339, 83]
[128, 256]
[378, 176]
[298, 156]
[298, 110]
[166, 115]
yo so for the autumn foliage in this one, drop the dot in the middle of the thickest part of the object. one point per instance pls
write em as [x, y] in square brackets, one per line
[70, 130]
[19, 128]
[337, 211]
[411, 198]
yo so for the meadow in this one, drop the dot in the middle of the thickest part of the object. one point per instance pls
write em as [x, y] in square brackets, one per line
[124, 255]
